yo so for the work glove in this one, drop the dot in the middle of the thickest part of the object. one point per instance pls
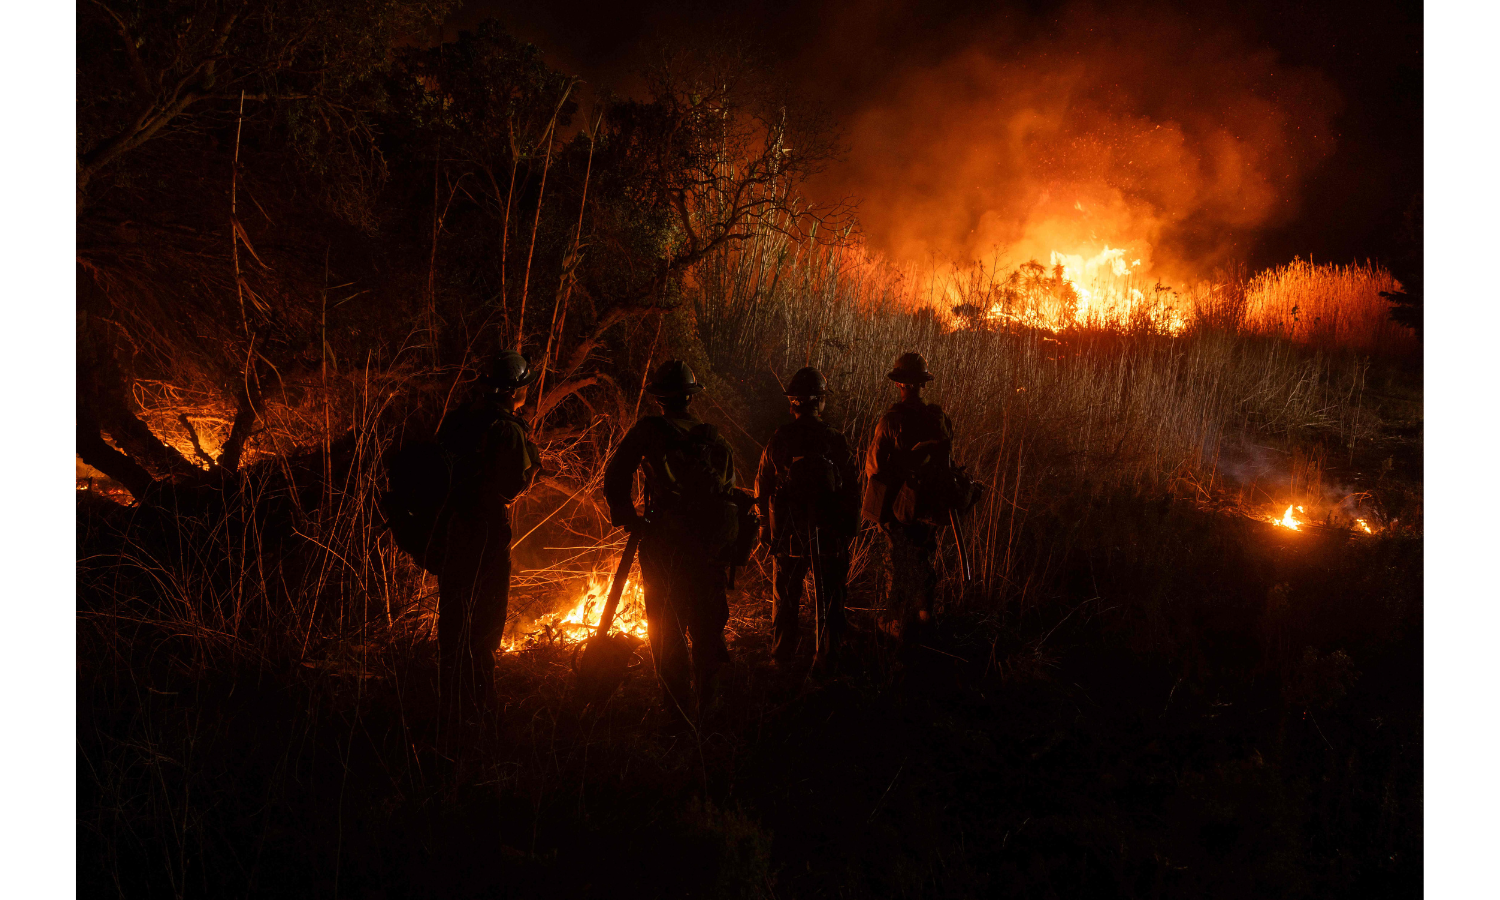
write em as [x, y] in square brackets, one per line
[631, 521]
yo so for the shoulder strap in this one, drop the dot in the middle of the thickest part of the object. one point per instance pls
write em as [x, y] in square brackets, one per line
[703, 431]
[664, 427]
[463, 433]
[504, 416]
[829, 437]
[929, 417]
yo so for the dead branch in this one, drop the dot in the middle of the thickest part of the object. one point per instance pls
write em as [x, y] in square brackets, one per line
[94, 450]
[193, 438]
[244, 421]
[564, 391]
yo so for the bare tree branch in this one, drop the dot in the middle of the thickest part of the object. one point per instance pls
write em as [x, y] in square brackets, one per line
[94, 450]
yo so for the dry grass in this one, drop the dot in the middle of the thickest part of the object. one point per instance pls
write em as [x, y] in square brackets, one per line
[1326, 306]
[284, 602]
[1138, 405]
[1134, 405]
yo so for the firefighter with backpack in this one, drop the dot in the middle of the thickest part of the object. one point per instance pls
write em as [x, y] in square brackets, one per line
[489, 460]
[693, 525]
[912, 489]
[807, 487]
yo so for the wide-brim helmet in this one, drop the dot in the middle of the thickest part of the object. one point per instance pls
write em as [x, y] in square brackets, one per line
[910, 368]
[806, 382]
[673, 378]
[507, 370]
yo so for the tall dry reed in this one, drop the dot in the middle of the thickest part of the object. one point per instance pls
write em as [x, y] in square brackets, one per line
[1132, 405]
[1327, 306]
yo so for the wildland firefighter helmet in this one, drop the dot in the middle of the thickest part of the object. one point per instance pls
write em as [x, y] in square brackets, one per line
[910, 368]
[806, 382]
[673, 378]
[507, 371]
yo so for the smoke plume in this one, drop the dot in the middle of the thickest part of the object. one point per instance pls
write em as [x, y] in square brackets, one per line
[1173, 141]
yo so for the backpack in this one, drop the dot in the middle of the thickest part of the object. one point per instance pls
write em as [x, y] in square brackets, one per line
[689, 489]
[806, 501]
[807, 497]
[425, 479]
[747, 530]
[814, 478]
[941, 487]
[935, 485]
[419, 477]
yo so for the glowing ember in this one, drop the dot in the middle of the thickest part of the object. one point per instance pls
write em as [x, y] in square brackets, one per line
[579, 621]
[1287, 519]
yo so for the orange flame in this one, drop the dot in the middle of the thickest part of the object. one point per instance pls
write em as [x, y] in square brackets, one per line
[579, 621]
[1092, 284]
[1287, 519]
[1107, 293]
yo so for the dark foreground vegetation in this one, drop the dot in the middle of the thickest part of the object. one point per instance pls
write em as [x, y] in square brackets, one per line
[1209, 706]
[294, 244]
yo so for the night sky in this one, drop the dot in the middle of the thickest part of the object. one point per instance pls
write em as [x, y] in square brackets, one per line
[1340, 198]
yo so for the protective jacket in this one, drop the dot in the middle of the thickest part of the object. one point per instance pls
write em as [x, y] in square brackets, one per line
[779, 495]
[650, 446]
[907, 434]
[498, 462]
[689, 473]
[493, 462]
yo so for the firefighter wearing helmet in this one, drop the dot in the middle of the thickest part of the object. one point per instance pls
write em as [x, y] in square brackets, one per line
[492, 461]
[807, 486]
[690, 523]
[911, 438]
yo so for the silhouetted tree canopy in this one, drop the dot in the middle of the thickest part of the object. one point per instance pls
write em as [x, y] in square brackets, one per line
[377, 204]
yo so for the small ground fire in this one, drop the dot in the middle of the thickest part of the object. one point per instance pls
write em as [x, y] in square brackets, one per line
[1287, 519]
[576, 623]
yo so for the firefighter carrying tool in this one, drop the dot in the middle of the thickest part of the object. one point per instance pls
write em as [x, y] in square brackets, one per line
[605, 656]
[688, 533]
[912, 489]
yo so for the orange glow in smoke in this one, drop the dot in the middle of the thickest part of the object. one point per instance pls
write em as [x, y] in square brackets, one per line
[1124, 151]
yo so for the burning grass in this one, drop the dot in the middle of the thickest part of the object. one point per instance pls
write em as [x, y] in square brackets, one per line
[277, 604]
[576, 622]
[1054, 386]
[1288, 519]
[1143, 691]
[1296, 518]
